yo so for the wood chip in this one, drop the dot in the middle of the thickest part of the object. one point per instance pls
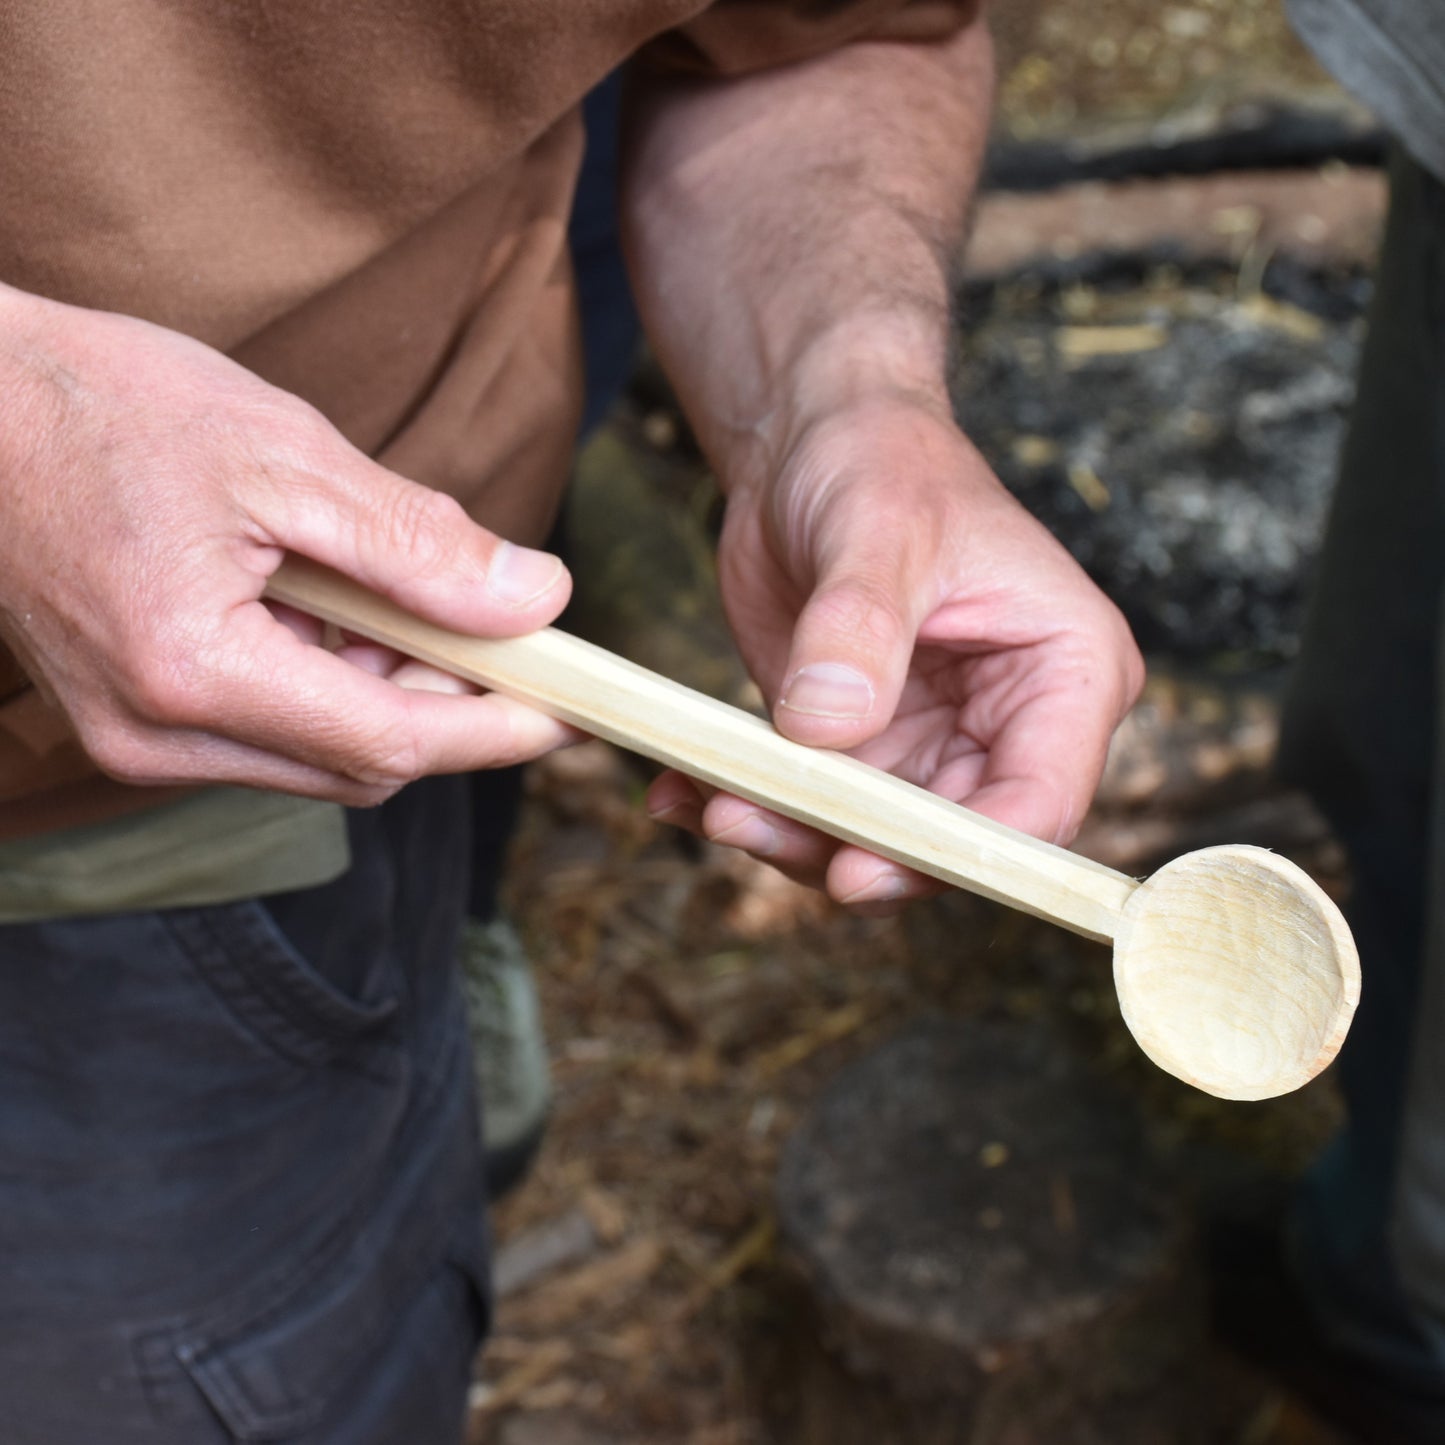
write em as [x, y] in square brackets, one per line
[562, 1300]
[544, 1362]
[553, 1394]
[752, 1249]
[672, 1014]
[829, 1029]
[1266, 311]
[1034, 451]
[1089, 485]
[1077, 344]
[605, 1212]
[531, 1257]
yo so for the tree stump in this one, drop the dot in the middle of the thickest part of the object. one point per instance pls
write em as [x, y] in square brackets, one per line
[991, 1254]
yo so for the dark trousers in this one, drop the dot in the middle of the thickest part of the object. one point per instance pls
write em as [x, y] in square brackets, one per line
[1362, 732]
[240, 1174]
[240, 1184]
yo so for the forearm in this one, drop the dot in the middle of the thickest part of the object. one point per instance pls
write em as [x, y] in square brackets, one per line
[791, 235]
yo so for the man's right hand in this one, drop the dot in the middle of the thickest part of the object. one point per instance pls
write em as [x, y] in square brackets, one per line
[148, 488]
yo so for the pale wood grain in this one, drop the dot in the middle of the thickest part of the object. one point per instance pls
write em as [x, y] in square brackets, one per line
[1235, 971]
[628, 705]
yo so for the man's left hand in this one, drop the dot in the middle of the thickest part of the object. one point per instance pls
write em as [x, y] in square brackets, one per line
[894, 601]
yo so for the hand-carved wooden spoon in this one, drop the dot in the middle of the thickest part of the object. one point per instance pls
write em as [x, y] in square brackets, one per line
[1235, 971]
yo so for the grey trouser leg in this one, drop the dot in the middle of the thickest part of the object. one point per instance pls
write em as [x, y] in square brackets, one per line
[1361, 734]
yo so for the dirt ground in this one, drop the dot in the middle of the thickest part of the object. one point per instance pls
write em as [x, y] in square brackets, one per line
[696, 1003]
[1070, 67]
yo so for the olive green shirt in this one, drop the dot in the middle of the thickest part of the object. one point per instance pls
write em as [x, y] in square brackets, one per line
[213, 846]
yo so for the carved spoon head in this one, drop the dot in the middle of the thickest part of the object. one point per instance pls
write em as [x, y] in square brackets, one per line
[1236, 972]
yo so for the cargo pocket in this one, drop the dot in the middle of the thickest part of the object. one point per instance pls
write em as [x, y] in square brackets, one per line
[378, 1342]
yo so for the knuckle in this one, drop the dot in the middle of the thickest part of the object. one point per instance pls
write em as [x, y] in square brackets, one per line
[161, 692]
[1131, 660]
[863, 608]
[426, 527]
[302, 424]
[1134, 677]
[123, 755]
[297, 412]
[390, 758]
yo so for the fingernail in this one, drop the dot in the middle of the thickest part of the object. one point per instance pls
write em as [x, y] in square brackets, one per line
[883, 889]
[753, 835]
[418, 677]
[829, 689]
[519, 575]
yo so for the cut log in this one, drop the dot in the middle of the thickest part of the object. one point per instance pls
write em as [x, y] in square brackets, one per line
[992, 1254]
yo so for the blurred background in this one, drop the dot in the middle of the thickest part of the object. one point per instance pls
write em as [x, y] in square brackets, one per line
[1158, 316]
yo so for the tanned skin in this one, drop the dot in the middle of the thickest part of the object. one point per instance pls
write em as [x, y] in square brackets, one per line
[887, 593]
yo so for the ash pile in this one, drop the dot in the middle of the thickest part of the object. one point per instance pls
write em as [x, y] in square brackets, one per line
[1177, 428]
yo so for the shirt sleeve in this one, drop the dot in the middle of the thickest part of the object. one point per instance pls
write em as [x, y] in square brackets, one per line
[732, 37]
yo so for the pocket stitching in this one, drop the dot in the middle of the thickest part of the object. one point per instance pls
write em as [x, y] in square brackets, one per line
[277, 1021]
[174, 1341]
[207, 1352]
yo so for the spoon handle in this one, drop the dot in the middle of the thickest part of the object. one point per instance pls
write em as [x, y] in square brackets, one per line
[639, 710]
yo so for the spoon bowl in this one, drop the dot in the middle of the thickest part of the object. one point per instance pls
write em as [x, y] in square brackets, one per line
[1236, 972]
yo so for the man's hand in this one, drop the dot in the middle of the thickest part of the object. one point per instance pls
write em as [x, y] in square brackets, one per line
[793, 233]
[893, 600]
[148, 488]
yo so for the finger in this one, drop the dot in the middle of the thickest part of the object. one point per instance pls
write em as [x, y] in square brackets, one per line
[802, 852]
[1045, 763]
[404, 671]
[180, 758]
[453, 734]
[304, 704]
[865, 882]
[302, 625]
[370, 657]
[674, 799]
[683, 802]
[410, 543]
[419, 677]
[855, 635]
[1038, 806]
[671, 787]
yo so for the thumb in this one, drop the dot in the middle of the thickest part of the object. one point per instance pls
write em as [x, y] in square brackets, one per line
[852, 646]
[419, 548]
